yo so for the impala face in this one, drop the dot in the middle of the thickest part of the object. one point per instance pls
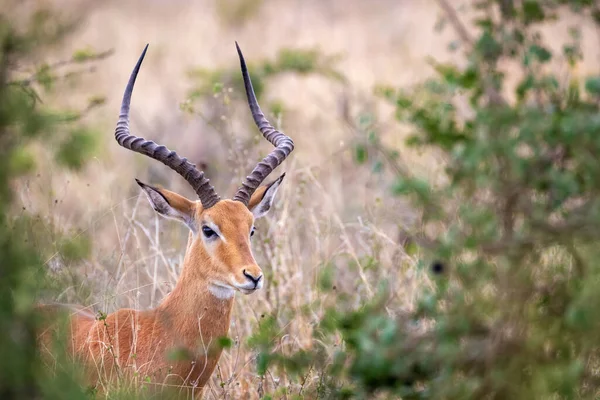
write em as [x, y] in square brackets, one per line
[221, 236]
[225, 232]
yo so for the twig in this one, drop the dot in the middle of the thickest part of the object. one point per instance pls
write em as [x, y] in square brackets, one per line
[459, 27]
[493, 95]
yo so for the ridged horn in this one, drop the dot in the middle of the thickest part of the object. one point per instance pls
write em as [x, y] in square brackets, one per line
[283, 144]
[181, 165]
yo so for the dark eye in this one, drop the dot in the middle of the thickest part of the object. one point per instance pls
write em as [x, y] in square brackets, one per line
[252, 232]
[208, 233]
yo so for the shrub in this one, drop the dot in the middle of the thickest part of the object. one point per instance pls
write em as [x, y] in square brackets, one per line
[510, 233]
[24, 119]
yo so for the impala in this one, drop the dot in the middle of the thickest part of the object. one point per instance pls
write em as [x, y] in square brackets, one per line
[218, 261]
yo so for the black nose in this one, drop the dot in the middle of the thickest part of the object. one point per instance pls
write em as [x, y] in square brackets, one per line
[253, 279]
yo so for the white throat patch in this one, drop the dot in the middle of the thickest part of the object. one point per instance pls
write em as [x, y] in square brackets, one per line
[221, 292]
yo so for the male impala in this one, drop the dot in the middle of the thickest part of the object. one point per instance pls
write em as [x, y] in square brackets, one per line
[218, 261]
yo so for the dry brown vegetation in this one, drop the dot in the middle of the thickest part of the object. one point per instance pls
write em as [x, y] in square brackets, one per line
[329, 211]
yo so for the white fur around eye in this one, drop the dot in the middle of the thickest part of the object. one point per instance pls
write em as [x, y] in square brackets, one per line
[215, 228]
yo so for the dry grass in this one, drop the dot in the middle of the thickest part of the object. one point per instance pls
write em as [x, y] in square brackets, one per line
[329, 210]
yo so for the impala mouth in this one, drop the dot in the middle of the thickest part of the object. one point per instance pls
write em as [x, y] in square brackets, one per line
[250, 287]
[247, 291]
[221, 289]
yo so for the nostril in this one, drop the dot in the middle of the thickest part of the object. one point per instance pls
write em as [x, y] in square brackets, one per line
[252, 278]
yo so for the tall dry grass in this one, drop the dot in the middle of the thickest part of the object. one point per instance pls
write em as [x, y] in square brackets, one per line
[329, 211]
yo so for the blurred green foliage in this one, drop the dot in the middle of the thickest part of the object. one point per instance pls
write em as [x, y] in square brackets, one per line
[511, 313]
[300, 61]
[215, 90]
[236, 12]
[515, 266]
[25, 119]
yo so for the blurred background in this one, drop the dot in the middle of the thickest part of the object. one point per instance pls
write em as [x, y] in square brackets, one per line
[323, 72]
[315, 65]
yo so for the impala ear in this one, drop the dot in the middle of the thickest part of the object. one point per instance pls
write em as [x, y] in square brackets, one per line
[262, 198]
[171, 205]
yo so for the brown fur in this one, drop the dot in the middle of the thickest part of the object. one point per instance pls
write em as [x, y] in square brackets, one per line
[257, 196]
[188, 321]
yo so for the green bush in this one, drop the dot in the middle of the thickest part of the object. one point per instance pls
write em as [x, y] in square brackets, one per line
[516, 221]
[23, 120]
[300, 61]
[508, 236]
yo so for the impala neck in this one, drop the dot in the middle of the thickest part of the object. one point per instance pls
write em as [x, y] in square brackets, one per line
[193, 306]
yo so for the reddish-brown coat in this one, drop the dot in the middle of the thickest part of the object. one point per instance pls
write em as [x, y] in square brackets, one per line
[189, 321]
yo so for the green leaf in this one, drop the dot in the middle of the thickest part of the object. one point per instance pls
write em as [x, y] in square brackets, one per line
[179, 354]
[525, 86]
[360, 153]
[411, 185]
[403, 102]
[592, 85]
[377, 167]
[217, 87]
[77, 148]
[45, 77]
[75, 248]
[532, 11]
[542, 54]
[325, 277]
[21, 161]
[83, 55]
[262, 363]
[224, 342]
[489, 47]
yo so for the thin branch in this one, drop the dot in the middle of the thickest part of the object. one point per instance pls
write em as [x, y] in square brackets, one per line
[64, 63]
[459, 27]
[492, 94]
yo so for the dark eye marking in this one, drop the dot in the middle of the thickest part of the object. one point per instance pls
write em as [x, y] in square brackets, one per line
[252, 231]
[208, 233]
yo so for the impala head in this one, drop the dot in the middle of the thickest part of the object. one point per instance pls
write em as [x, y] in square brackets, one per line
[221, 229]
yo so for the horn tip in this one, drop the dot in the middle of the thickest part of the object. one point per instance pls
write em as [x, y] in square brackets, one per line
[240, 55]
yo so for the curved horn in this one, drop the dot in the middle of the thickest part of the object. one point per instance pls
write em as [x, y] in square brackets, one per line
[283, 144]
[181, 165]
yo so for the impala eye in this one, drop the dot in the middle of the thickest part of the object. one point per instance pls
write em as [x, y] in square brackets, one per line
[252, 231]
[208, 233]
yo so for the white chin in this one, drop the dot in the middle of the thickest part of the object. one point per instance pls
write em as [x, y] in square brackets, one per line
[222, 292]
[247, 291]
